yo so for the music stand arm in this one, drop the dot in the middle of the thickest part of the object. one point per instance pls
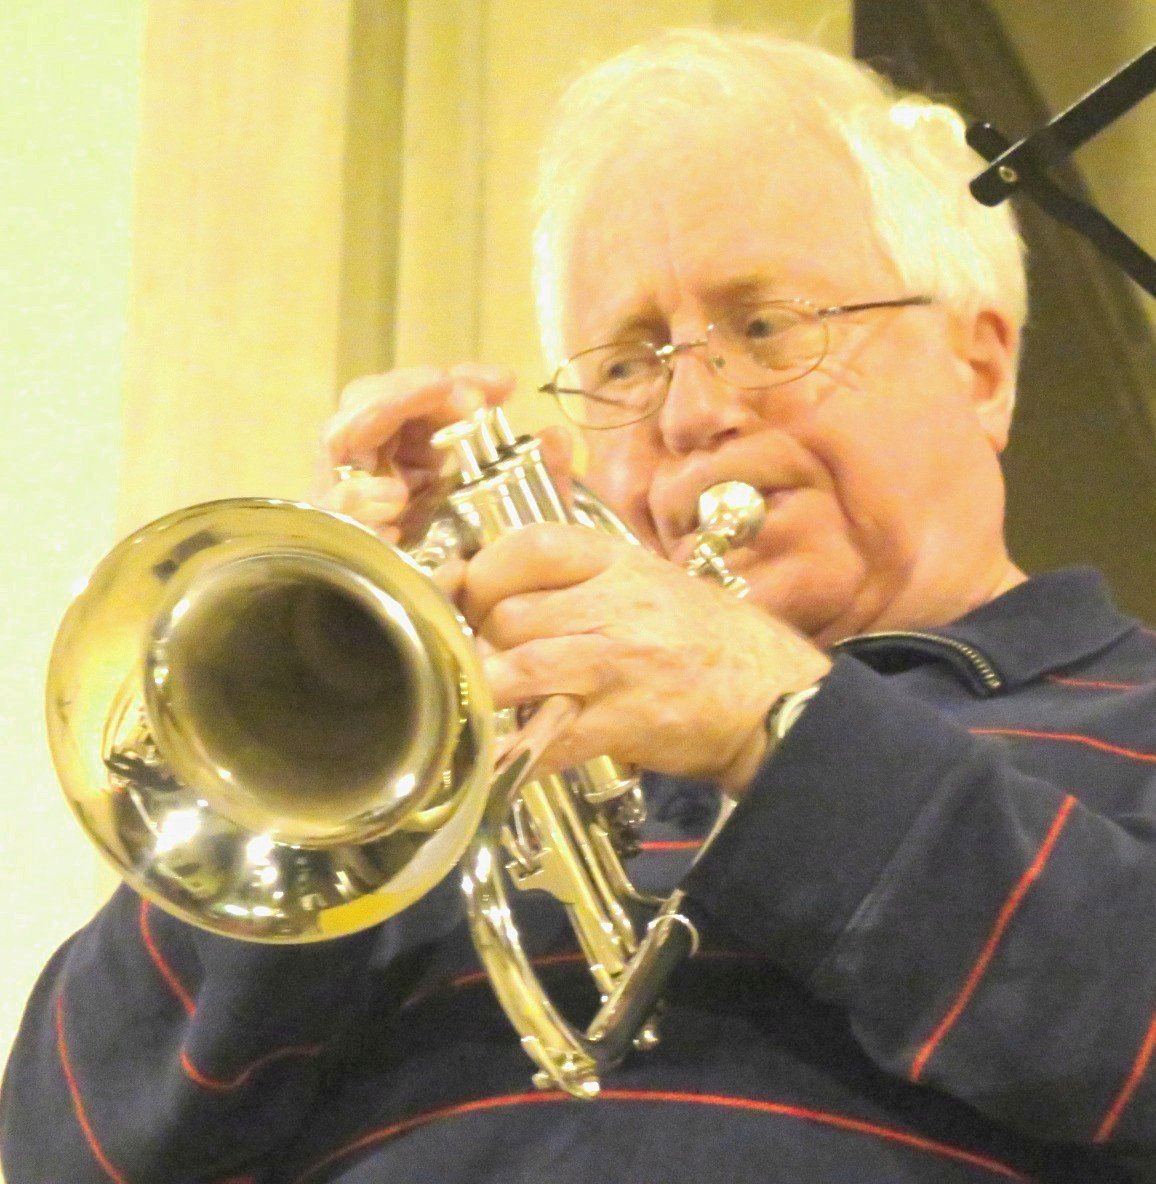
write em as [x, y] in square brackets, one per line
[1022, 167]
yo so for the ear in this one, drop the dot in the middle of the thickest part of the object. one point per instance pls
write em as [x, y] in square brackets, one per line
[988, 349]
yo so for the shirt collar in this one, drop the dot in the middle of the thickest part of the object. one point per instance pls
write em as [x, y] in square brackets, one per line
[1049, 622]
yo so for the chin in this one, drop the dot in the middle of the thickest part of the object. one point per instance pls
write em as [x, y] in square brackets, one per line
[823, 602]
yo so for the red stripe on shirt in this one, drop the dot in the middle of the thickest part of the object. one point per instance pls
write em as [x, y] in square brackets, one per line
[1094, 684]
[217, 1084]
[474, 978]
[1139, 1068]
[77, 1102]
[779, 1109]
[226, 1084]
[158, 960]
[994, 938]
[1070, 738]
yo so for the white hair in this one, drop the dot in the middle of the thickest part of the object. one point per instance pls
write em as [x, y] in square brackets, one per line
[909, 152]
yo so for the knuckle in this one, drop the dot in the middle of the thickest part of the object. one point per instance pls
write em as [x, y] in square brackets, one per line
[491, 377]
[359, 390]
[397, 386]
[499, 625]
[550, 543]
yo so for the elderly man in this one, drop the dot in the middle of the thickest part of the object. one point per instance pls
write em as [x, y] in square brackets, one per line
[928, 935]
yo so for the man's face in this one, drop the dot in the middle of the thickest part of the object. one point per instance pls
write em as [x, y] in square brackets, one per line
[879, 468]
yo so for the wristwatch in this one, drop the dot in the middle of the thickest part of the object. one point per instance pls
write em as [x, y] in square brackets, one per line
[785, 712]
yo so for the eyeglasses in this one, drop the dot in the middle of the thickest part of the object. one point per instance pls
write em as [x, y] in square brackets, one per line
[753, 348]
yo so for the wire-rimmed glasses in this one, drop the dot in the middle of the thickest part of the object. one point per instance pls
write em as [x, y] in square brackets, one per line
[754, 347]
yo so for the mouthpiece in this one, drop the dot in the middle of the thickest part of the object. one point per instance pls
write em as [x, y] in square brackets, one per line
[729, 514]
[732, 509]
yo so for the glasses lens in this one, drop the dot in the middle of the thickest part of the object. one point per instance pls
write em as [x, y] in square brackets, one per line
[612, 385]
[769, 344]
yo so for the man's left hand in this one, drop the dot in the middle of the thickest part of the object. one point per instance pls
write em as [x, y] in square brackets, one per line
[673, 673]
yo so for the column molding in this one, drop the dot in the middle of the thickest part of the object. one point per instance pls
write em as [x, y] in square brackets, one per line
[263, 264]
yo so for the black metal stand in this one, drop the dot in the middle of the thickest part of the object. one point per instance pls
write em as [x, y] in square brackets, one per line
[1022, 167]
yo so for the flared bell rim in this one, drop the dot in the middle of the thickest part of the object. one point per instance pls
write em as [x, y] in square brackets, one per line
[172, 841]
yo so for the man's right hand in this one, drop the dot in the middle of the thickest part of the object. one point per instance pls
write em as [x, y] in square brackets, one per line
[382, 428]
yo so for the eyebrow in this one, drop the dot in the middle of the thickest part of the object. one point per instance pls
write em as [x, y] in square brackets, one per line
[641, 326]
[651, 324]
[755, 286]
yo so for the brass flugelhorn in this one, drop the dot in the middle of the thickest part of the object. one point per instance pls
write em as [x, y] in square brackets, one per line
[275, 726]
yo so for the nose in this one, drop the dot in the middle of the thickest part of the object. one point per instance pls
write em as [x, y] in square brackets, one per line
[701, 411]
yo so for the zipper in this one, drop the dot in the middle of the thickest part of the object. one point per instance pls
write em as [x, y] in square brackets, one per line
[977, 669]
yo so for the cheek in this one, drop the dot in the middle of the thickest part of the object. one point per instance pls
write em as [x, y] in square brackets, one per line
[897, 471]
[620, 466]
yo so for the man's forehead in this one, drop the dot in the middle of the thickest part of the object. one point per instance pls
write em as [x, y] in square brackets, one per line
[622, 311]
[730, 226]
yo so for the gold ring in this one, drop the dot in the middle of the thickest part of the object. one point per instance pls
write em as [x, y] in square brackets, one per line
[347, 472]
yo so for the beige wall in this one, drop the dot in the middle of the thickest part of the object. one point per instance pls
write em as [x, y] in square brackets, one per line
[263, 240]
[68, 120]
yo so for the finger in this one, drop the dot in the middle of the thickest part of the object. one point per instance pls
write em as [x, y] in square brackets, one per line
[542, 557]
[578, 742]
[530, 615]
[450, 576]
[494, 383]
[399, 383]
[473, 386]
[359, 487]
[375, 502]
[375, 408]
[588, 732]
[391, 418]
[551, 718]
[579, 666]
